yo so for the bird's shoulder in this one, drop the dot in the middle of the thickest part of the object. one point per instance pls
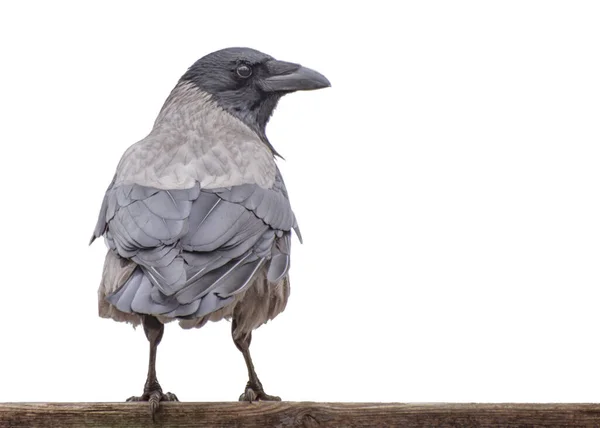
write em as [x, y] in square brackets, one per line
[176, 160]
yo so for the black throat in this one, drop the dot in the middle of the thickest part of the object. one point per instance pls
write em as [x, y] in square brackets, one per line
[255, 114]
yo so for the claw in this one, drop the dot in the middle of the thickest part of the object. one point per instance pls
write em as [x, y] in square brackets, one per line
[133, 399]
[169, 396]
[154, 402]
[257, 394]
[154, 398]
[248, 395]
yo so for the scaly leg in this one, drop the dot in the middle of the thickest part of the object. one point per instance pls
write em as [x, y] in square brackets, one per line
[254, 389]
[153, 394]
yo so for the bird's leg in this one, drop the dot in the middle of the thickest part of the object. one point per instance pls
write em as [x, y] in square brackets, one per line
[254, 389]
[153, 394]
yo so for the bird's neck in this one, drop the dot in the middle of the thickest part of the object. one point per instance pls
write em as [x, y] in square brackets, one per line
[196, 141]
[189, 108]
[259, 122]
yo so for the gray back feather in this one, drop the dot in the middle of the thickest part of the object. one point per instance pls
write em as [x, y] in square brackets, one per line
[195, 248]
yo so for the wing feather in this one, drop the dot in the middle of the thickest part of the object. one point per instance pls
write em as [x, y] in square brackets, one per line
[195, 248]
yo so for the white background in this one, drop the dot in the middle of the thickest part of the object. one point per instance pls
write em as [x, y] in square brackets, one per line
[447, 187]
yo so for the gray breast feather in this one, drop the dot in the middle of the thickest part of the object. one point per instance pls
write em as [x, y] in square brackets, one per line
[195, 248]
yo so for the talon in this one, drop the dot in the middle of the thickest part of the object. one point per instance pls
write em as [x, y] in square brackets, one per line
[248, 395]
[134, 399]
[154, 398]
[154, 402]
[169, 396]
[257, 394]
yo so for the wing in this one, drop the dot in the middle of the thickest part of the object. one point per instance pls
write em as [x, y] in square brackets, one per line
[102, 216]
[196, 249]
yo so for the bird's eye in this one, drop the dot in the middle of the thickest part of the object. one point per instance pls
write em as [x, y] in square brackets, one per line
[244, 71]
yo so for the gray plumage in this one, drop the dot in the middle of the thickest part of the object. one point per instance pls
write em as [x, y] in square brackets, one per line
[195, 247]
[197, 218]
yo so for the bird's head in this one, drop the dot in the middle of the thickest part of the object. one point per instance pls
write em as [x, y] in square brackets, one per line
[248, 83]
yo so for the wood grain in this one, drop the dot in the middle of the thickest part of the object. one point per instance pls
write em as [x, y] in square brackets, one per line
[298, 414]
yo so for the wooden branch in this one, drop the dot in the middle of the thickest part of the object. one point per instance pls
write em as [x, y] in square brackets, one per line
[292, 414]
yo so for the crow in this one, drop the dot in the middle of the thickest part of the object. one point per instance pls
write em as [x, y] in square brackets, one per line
[197, 218]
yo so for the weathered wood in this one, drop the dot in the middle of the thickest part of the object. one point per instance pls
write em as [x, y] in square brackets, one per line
[292, 414]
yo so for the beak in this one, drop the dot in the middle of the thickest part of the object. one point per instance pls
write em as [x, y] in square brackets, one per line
[289, 77]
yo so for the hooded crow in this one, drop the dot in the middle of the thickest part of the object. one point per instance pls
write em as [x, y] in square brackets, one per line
[197, 217]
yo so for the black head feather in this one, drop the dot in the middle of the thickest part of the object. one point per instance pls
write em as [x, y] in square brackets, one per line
[249, 84]
[217, 74]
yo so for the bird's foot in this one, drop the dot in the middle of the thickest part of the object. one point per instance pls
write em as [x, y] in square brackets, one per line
[154, 397]
[257, 393]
